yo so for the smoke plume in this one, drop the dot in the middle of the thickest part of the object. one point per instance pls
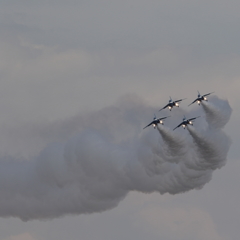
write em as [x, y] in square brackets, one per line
[108, 155]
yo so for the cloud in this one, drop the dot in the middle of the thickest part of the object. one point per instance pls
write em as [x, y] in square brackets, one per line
[23, 236]
[177, 223]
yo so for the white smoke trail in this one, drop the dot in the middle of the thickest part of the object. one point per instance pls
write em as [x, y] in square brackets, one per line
[211, 147]
[110, 156]
[217, 112]
[173, 147]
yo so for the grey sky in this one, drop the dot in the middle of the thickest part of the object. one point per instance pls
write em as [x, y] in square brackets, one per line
[61, 59]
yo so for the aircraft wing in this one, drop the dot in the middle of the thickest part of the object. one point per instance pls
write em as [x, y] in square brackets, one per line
[207, 94]
[193, 102]
[178, 126]
[148, 125]
[163, 118]
[164, 107]
[180, 100]
[190, 119]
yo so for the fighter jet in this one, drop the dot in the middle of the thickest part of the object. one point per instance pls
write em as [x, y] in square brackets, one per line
[185, 122]
[200, 98]
[156, 121]
[172, 103]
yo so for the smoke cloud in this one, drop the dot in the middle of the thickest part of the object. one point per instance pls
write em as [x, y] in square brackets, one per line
[110, 155]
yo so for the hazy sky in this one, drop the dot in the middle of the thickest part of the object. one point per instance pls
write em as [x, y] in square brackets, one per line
[61, 60]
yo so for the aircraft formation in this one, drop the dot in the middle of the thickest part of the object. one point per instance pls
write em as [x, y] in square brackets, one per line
[176, 103]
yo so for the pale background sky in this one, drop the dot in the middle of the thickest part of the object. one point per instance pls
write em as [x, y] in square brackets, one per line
[60, 59]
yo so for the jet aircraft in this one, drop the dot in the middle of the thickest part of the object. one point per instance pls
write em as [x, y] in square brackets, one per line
[172, 103]
[156, 121]
[200, 98]
[185, 122]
